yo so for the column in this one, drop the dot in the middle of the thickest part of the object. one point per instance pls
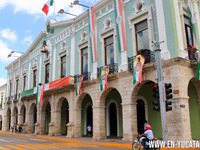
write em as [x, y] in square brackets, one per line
[57, 129]
[98, 122]
[77, 118]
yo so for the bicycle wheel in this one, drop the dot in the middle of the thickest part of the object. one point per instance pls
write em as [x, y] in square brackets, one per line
[136, 146]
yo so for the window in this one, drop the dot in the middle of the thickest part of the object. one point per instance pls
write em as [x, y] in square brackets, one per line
[24, 84]
[17, 82]
[109, 50]
[188, 31]
[84, 60]
[47, 73]
[142, 35]
[34, 78]
[63, 66]
[1, 102]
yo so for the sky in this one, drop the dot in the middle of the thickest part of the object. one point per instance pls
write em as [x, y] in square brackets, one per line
[21, 21]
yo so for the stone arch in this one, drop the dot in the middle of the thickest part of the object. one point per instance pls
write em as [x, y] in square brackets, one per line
[194, 107]
[1, 121]
[104, 95]
[62, 116]
[8, 119]
[23, 114]
[45, 117]
[32, 117]
[15, 115]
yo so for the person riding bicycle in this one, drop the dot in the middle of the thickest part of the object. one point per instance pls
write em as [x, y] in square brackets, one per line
[148, 135]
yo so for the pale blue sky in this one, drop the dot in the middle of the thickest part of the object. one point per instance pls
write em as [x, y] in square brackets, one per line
[22, 20]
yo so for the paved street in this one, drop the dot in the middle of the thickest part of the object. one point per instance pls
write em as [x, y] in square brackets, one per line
[24, 142]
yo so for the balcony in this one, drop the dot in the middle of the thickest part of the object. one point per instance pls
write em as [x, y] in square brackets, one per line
[191, 52]
[15, 98]
[148, 55]
[113, 69]
[8, 100]
[86, 76]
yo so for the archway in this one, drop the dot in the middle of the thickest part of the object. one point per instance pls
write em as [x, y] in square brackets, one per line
[34, 117]
[15, 115]
[47, 117]
[194, 107]
[114, 124]
[23, 112]
[8, 122]
[140, 116]
[64, 116]
[86, 114]
[0, 122]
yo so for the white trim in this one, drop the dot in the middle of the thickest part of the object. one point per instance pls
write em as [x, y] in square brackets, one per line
[162, 29]
[54, 63]
[72, 59]
[108, 118]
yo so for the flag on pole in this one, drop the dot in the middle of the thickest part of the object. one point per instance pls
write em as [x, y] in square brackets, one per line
[197, 56]
[137, 68]
[46, 6]
[39, 94]
[93, 46]
[78, 84]
[104, 75]
[192, 20]
[120, 26]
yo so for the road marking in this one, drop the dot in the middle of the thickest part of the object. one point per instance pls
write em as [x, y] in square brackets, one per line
[2, 148]
[38, 146]
[37, 139]
[15, 147]
[27, 146]
[48, 145]
[3, 140]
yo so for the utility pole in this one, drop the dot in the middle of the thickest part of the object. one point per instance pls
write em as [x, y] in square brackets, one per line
[159, 71]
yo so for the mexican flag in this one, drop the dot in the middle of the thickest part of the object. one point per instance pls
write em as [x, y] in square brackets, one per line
[46, 7]
[39, 95]
[104, 75]
[78, 85]
[192, 20]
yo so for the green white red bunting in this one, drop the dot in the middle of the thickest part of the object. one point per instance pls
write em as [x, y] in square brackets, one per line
[46, 6]
[137, 68]
[192, 20]
[93, 46]
[78, 84]
[120, 26]
[104, 75]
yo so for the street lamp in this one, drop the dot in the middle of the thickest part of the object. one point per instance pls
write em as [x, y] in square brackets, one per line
[12, 52]
[76, 2]
[61, 11]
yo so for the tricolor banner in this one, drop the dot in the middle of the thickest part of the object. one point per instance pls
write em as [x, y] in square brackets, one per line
[192, 20]
[120, 26]
[137, 71]
[104, 75]
[78, 84]
[46, 6]
[197, 56]
[93, 46]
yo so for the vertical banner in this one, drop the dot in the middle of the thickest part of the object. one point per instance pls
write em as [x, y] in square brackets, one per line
[93, 46]
[104, 75]
[78, 84]
[197, 56]
[192, 20]
[138, 65]
[121, 38]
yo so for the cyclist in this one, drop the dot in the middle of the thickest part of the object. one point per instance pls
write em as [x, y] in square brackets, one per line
[148, 134]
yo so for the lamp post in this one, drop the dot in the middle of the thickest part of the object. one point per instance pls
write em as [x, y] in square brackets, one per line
[12, 52]
[76, 2]
[61, 11]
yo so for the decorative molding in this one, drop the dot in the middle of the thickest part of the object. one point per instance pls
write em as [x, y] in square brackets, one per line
[137, 5]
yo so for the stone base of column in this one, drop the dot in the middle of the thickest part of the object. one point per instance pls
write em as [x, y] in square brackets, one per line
[51, 129]
[70, 127]
[37, 128]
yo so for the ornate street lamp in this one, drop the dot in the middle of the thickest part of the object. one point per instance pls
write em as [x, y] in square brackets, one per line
[76, 2]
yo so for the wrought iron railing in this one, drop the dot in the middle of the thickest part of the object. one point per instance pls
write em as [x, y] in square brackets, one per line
[113, 69]
[149, 57]
[86, 76]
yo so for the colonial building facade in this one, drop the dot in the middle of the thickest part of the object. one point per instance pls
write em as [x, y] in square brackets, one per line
[121, 110]
[2, 103]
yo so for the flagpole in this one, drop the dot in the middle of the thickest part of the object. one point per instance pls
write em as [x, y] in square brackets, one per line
[54, 9]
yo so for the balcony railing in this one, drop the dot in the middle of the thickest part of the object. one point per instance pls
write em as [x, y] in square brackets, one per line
[148, 55]
[113, 69]
[191, 52]
[86, 76]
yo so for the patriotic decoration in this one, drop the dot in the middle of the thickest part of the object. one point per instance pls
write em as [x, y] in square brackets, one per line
[46, 7]
[104, 75]
[197, 56]
[120, 26]
[138, 65]
[192, 20]
[39, 91]
[78, 84]
[93, 46]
